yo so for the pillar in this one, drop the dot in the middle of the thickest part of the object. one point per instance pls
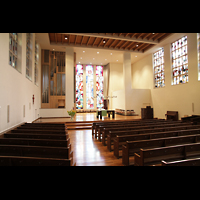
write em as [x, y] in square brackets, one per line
[69, 78]
[127, 78]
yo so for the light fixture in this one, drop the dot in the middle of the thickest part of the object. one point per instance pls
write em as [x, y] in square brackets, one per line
[83, 51]
[137, 45]
[111, 54]
[97, 52]
[136, 56]
[117, 60]
[104, 41]
[66, 37]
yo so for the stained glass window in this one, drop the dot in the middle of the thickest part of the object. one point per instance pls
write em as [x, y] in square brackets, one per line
[13, 42]
[89, 87]
[29, 55]
[159, 71]
[99, 86]
[179, 61]
[79, 86]
[198, 50]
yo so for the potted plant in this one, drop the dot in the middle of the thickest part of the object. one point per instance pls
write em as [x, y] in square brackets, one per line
[72, 113]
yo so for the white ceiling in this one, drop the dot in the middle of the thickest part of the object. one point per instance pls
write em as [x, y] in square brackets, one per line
[104, 57]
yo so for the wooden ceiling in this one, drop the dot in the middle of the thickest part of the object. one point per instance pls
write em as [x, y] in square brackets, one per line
[133, 42]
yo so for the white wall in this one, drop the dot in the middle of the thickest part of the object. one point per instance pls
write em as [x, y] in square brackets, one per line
[170, 98]
[15, 89]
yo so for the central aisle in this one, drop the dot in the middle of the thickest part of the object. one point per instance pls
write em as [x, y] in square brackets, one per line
[90, 152]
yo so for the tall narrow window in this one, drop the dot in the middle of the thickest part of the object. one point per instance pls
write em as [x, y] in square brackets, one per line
[89, 87]
[29, 56]
[36, 63]
[13, 43]
[198, 50]
[179, 61]
[159, 69]
[99, 87]
[79, 86]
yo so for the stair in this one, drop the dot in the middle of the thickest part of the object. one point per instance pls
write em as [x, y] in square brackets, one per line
[79, 125]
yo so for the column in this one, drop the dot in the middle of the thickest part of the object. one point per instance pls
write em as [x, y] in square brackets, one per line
[127, 77]
[69, 74]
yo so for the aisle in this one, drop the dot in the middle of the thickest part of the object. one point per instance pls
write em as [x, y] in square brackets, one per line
[90, 152]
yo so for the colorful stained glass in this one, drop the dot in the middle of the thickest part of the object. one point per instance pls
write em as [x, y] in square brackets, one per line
[99, 86]
[179, 61]
[79, 86]
[89, 87]
[159, 70]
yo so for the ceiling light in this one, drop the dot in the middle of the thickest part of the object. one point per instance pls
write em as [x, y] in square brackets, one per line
[93, 58]
[53, 49]
[137, 45]
[79, 62]
[117, 60]
[81, 58]
[111, 54]
[83, 51]
[104, 41]
[105, 59]
[97, 52]
[136, 56]
[66, 37]
[153, 33]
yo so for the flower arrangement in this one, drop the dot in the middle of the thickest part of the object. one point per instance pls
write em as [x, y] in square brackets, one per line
[72, 112]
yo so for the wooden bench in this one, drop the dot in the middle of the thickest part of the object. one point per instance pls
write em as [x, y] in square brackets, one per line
[105, 132]
[120, 138]
[187, 162]
[172, 115]
[32, 161]
[35, 142]
[132, 147]
[172, 153]
[37, 136]
[113, 134]
[36, 151]
[129, 124]
[35, 131]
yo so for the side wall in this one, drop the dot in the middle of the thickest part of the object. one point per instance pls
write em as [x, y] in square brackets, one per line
[179, 98]
[15, 89]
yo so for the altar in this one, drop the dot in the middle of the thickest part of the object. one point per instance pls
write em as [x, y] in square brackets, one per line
[105, 112]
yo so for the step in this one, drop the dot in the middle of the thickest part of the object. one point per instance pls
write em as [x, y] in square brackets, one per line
[79, 127]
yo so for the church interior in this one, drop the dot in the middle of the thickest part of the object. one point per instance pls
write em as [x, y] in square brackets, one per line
[104, 78]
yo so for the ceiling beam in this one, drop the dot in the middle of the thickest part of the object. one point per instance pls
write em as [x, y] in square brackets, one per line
[95, 47]
[120, 37]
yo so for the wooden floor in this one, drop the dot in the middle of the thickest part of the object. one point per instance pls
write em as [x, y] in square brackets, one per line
[87, 150]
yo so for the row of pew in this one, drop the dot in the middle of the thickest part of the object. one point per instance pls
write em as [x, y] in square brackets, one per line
[36, 144]
[151, 142]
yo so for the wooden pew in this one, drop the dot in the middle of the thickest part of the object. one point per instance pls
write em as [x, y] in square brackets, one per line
[35, 131]
[129, 129]
[35, 142]
[30, 140]
[137, 121]
[187, 162]
[172, 153]
[172, 115]
[37, 136]
[32, 161]
[132, 147]
[119, 141]
[121, 125]
[36, 151]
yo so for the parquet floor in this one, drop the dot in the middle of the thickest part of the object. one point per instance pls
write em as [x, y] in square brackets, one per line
[88, 151]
